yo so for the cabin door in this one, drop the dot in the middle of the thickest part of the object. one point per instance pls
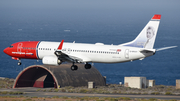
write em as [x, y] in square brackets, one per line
[127, 53]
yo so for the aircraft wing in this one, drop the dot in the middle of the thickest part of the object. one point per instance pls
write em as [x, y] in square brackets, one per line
[69, 58]
[65, 57]
[154, 50]
[164, 48]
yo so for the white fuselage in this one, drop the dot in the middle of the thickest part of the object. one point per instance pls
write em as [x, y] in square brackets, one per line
[98, 52]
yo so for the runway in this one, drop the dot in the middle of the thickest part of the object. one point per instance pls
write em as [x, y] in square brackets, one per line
[32, 92]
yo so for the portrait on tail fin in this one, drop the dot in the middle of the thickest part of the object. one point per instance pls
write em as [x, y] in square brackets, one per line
[149, 35]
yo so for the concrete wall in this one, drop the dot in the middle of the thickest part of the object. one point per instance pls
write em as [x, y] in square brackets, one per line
[135, 82]
[151, 83]
[178, 84]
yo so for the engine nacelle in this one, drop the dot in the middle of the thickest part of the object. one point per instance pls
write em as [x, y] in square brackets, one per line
[51, 60]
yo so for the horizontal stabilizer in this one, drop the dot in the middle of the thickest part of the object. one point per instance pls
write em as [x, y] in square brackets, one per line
[147, 50]
[164, 48]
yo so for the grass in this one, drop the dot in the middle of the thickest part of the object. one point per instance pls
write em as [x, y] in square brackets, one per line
[11, 93]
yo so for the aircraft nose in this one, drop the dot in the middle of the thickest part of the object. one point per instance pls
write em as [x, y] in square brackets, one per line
[6, 50]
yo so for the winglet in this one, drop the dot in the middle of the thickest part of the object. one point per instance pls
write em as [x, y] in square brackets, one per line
[61, 44]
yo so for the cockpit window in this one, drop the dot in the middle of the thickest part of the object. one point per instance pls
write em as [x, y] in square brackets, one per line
[10, 46]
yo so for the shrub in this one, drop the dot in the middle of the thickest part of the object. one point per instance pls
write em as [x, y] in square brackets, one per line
[173, 100]
[44, 90]
[56, 90]
[114, 92]
[71, 91]
[100, 100]
[155, 93]
[21, 96]
[168, 93]
[95, 98]
[50, 90]
[55, 97]
[38, 90]
[34, 97]
[124, 98]
[113, 99]
[69, 87]
[28, 99]
[83, 91]
[16, 93]
[160, 86]
[145, 93]
[85, 98]
[64, 97]
[4, 92]
[63, 90]
[152, 99]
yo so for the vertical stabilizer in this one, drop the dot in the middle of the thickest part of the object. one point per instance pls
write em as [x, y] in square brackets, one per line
[147, 36]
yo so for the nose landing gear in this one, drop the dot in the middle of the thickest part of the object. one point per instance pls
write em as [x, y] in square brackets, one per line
[19, 63]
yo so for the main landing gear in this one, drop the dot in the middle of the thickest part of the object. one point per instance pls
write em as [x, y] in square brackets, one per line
[75, 67]
[87, 66]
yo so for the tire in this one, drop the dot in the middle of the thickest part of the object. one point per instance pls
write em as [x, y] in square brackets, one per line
[87, 66]
[19, 63]
[74, 67]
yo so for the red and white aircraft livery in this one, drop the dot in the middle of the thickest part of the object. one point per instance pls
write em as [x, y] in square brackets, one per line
[54, 53]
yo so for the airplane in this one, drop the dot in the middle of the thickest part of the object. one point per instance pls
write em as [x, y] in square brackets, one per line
[54, 53]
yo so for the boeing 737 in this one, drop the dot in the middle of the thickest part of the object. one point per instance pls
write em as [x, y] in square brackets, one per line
[54, 53]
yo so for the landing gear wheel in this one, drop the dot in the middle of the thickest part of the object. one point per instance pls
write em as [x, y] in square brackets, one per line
[19, 63]
[87, 66]
[74, 67]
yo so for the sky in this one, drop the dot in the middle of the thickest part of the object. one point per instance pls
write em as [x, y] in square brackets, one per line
[88, 13]
[86, 8]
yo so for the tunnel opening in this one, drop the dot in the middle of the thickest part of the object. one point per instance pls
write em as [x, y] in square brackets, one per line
[35, 76]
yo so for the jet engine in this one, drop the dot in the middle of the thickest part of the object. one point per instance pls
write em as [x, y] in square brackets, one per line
[51, 60]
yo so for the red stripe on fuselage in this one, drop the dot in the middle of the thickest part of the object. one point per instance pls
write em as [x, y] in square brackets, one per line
[25, 49]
